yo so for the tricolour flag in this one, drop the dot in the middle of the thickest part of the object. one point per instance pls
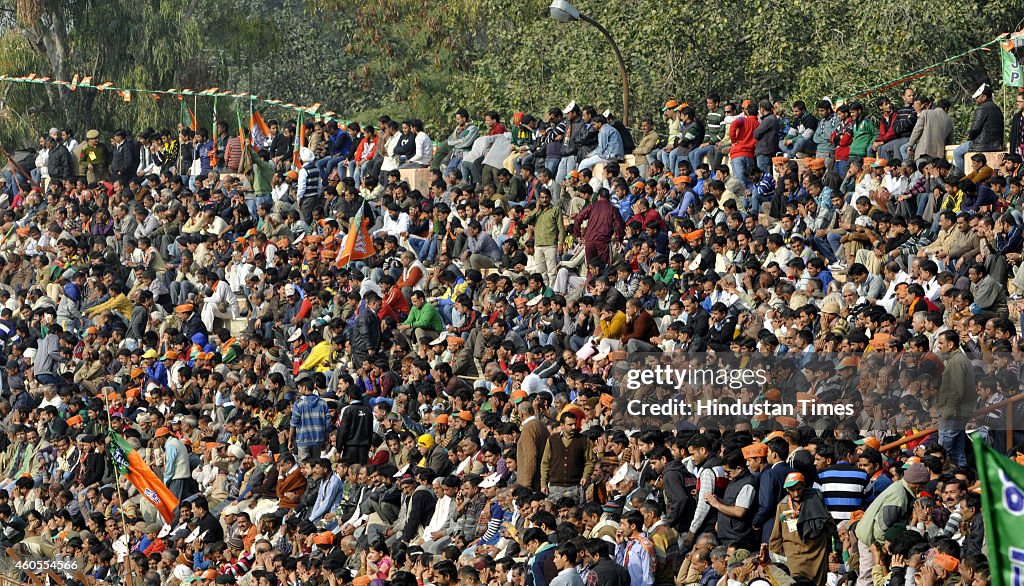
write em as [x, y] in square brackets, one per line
[1002, 504]
[1013, 73]
[127, 461]
[358, 244]
[258, 131]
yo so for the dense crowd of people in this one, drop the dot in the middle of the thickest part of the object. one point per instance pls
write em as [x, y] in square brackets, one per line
[451, 408]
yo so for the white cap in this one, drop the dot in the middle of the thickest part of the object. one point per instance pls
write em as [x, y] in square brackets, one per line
[289, 290]
[401, 471]
[980, 91]
[181, 572]
[607, 113]
[625, 472]
[295, 335]
[569, 107]
[535, 301]
[306, 155]
[439, 339]
[491, 481]
[164, 531]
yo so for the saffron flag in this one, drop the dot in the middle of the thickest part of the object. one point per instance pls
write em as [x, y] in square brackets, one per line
[300, 141]
[1002, 506]
[213, 151]
[358, 244]
[258, 131]
[128, 462]
[188, 117]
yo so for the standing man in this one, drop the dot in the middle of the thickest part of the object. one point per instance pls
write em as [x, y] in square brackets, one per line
[767, 136]
[548, 234]
[957, 397]
[827, 124]
[568, 461]
[356, 428]
[309, 422]
[177, 473]
[803, 530]
[604, 222]
[532, 443]
[635, 551]
[768, 461]
[1017, 128]
[737, 506]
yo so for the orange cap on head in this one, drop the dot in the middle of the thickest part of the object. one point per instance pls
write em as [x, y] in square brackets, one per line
[465, 416]
[161, 432]
[870, 441]
[441, 419]
[793, 479]
[757, 450]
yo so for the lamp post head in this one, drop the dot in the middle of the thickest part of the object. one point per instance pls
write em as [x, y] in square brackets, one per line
[563, 11]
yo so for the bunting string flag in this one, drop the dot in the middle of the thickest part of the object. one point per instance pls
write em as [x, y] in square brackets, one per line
[78, 82]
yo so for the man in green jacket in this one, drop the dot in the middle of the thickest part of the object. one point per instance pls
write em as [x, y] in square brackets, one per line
[424, 321]
[890, 508]
[548, 234]
[262, 176]
[865, 131]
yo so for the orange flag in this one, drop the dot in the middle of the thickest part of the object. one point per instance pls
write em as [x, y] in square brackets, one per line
[358, 243]
[128, 462]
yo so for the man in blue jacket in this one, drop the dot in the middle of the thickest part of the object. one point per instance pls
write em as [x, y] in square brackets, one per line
[609, 145]
[768, 462]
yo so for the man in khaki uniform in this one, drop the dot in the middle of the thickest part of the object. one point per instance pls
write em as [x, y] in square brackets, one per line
[94, 158]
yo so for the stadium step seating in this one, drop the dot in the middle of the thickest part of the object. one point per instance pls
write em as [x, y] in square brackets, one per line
[418, 179]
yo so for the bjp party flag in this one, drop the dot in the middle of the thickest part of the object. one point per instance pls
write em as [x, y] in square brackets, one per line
[127, 461]
[358, 244]
[1002, 507]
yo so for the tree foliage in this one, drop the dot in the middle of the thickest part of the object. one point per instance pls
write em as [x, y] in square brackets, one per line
[429, 57]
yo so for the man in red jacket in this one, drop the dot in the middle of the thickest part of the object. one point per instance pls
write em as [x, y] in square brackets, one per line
[741, 133]
[604, 222]
[639, 328]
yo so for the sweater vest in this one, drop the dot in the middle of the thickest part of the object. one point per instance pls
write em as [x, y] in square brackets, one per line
[566, 462]
[731, 530]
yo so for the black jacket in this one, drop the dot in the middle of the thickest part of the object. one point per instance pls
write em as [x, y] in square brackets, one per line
[365, 333]
[699, 322]
[121, 161]
[767, 135]
[679, 503]
[356, 427]
[58, 164]
[94, 469]
[421, 509]
[986, 132]
[212, 527]
[610, 573]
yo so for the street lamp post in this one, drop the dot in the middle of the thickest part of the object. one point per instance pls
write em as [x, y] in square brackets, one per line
[563, 11]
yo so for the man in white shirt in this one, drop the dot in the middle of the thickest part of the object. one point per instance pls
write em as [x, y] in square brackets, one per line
[396, 222]
[424, 148]
[436, 535]
[221, 303]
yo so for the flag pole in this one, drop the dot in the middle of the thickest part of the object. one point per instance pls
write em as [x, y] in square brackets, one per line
[120, 498]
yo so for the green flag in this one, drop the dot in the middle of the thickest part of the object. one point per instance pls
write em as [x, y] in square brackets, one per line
[1013, 73]
[1002, 505]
